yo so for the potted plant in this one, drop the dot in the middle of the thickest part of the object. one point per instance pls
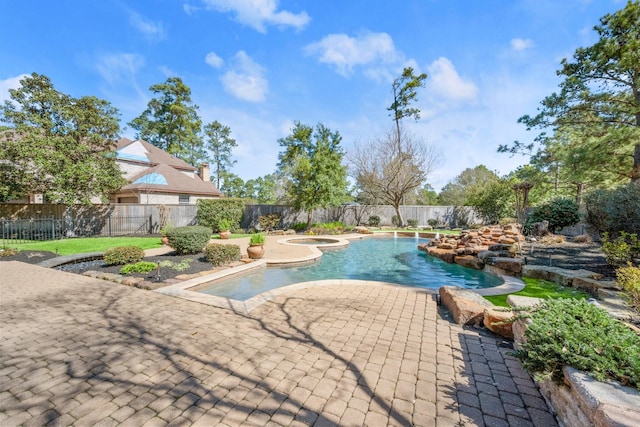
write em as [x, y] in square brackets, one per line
[256, 246]
[224, 227]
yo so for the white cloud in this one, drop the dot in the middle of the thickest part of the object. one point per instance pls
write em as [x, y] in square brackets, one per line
[245, 80]
[120, 66]
[445, 82]
[10, 83]
[258, 13]
[213, 60]
[152, 31]
[344, 53]
[521, 44]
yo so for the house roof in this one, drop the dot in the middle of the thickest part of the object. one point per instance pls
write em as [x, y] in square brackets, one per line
[166, 179]
[142, 152]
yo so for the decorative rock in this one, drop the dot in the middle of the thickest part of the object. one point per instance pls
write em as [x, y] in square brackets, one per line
[486, 255]
[469, 261]
[363, 230]
[582, 401]
[500, 247]
[443, 254]
[466, 306]
[511, 266]
[499, 322]
[561, 276]
[132, 281]
[523, 302]
[592, 286]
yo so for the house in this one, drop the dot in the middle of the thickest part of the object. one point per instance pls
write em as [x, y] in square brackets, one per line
[156, 177]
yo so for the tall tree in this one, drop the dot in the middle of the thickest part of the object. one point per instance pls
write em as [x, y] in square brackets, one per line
[57, 145]
[171, 122]
[599, 98]
[456, 192]
[404, 94]
[219, 143]
[311, 165]
[389, 169]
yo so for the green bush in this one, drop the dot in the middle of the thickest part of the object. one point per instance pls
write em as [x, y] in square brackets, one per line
[299, 226]
[190, 239]
[413, 223]
[374, 221]
[615, 210]
[212, 211]
[433, 222]
[256, 239]
[328, 228]
[560, 212]
[270, 221]
[569, 332]
[219, 254]
[121, 255]
[139, 267]
[395, 220]
[629, 279]
[622, 250]
[225, 225]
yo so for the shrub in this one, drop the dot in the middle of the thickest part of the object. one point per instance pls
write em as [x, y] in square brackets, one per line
[299, 226]
[139, 267]
[560, 212]
[6, 251]
[218, 254]
[433, 222]
[256, 239]
[629, 279]
[121, 255]
[374, 221]
[189, 240]
[413, 223]
[583, 238]
[177, 266]
[212, 211]
[225, 224]
[614, 210]
[395, 220]
[269, 222]
[621, 250]
[328, 228]
[570, 332]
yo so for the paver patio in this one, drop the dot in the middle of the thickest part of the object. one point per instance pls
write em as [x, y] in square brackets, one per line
[76, 350]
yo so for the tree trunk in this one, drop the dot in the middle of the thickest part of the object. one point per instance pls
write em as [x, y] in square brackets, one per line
[308, 219]
[399, 215]
[635, 173]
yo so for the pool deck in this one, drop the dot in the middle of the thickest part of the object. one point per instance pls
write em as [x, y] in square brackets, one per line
[81, 351]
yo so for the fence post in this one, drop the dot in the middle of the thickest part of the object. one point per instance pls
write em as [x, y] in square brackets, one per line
[53, 228]
[109, 225]
[150, 224]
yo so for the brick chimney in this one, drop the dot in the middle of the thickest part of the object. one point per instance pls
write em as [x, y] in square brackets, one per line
[204, 172]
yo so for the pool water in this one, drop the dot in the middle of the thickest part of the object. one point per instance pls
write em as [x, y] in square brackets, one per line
[393, 260]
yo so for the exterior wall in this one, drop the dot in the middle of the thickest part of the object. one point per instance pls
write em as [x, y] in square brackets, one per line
[131, 169]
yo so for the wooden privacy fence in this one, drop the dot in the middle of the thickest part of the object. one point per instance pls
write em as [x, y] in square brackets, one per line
[125, 219]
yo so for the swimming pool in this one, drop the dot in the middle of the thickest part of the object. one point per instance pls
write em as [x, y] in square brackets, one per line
[392, 260]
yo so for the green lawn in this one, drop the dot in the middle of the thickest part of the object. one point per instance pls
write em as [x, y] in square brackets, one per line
[88, 244]
[540, 289]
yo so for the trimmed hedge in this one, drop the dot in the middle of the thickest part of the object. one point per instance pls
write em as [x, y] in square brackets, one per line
[121, 255]
[212, 211]
[218, 254]
[190, 239]
[139, 267]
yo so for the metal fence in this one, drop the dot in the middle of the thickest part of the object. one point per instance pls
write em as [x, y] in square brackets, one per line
[36, 229]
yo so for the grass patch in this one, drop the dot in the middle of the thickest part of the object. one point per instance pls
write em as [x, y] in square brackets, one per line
[88, 244]
[537, 288]
[233, 236]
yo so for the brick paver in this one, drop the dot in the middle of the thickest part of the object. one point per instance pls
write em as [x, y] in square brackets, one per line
[84, 351]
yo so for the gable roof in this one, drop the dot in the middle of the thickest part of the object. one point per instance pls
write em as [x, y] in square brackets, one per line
[166, 179]
[142, 152]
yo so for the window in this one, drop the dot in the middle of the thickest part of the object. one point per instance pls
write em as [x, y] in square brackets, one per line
[183, 199]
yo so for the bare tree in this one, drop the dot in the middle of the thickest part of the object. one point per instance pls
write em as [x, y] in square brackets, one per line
[389, 168]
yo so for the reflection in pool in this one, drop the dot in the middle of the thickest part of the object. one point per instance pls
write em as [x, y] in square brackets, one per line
[393, 260]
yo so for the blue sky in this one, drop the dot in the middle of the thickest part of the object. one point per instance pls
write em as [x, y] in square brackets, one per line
[259, 65]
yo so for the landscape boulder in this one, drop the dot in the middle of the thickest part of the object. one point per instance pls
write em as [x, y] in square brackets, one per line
[466, 306]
